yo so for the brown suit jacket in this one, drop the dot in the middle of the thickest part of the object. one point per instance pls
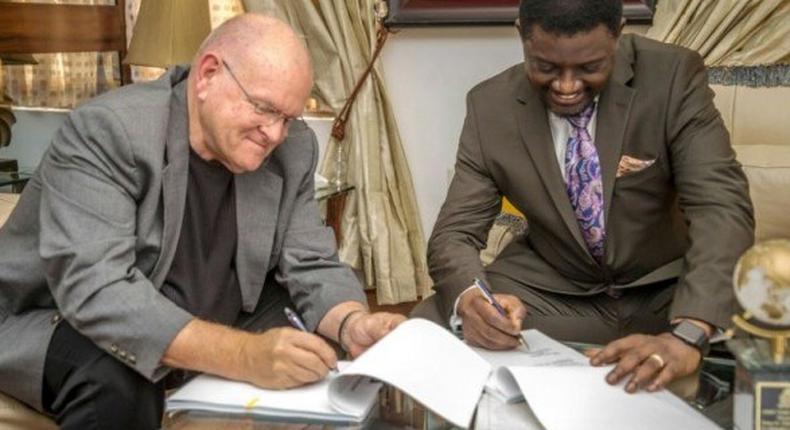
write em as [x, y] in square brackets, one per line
[688, 215]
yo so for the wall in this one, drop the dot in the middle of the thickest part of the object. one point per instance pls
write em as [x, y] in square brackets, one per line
[428, 72]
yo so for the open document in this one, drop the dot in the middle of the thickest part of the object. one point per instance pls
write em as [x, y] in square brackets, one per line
[448, 377]
[420, 358]
[543, 351]
[308, 403]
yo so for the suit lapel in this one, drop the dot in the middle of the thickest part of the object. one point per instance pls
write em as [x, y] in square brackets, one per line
[533, 123]
[258, 196]
[614, 109]
[174, 181]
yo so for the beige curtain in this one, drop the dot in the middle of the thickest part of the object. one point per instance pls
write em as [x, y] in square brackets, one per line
[727, 33]
[381, 229]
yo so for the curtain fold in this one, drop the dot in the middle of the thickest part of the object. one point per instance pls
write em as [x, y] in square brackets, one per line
[727, 33]
[382, 235]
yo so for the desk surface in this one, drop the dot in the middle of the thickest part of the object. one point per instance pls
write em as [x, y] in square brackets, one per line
[397, 411]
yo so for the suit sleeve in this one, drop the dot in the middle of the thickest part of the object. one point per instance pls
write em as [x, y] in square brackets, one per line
[87, 242]
[713, 194]
[309, 266]
[461, 231]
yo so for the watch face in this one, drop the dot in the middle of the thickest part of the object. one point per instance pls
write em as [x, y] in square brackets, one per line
[690, 333]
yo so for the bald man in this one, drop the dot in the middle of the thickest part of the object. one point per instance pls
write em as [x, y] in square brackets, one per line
[168, 226]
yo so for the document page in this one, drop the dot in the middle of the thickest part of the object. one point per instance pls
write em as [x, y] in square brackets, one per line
[429, 364]
[311, 402]
[579, 397]
[543, 351]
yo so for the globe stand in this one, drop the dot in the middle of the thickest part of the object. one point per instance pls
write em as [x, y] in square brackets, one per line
[762, 377]
[778, 338]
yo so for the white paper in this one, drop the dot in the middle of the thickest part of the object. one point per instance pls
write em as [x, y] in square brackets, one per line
[543, 351]
[493, 413]
[569, 398]
[213, 394]
[429, 364]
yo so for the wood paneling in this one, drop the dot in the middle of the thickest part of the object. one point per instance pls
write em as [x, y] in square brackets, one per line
[45, 28]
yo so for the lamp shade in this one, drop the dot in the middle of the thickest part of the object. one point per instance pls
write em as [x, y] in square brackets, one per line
[168, 32]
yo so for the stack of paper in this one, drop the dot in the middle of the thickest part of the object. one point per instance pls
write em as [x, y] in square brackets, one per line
[310, 403]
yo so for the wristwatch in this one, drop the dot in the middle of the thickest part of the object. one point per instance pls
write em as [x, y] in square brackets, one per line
[693, 335]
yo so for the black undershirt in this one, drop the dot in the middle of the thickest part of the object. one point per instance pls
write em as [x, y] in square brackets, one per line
[202, 279]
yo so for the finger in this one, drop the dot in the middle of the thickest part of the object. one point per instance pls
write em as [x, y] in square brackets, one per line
[316, 345]
[644, 374]
[612, 351]
[492, 317]
[628, 362]
[664, 377]
[298, 367]
[487, 336]
[591, 352]
[516, 311]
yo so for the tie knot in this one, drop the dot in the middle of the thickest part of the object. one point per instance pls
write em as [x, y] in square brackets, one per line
[581, 119]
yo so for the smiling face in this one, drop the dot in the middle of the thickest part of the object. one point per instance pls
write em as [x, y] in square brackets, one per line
[569, 71]
[244, 97]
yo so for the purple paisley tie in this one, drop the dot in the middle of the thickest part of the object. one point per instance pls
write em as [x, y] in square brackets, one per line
[583, 181]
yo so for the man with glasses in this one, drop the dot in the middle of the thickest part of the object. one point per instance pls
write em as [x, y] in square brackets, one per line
[168, 226]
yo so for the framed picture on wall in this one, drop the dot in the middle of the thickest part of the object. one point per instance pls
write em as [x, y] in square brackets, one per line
[404, 13]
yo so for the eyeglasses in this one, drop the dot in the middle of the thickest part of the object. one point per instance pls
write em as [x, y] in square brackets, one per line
[268, 114]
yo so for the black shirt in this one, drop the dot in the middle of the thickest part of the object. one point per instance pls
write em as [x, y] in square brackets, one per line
[202, 279]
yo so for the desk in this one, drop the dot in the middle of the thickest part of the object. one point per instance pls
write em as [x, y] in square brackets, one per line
[397, 411]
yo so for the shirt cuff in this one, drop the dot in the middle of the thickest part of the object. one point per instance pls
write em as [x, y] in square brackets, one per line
[456, 322]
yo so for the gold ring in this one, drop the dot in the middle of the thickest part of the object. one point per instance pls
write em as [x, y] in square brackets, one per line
[658, 359]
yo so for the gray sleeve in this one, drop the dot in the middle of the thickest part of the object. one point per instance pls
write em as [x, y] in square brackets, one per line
[88, 233]
[309, 266]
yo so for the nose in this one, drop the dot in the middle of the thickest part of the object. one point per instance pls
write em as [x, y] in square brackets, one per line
[567, 83]
[276, 132]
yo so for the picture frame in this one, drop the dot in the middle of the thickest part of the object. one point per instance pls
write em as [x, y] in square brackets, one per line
[407, 13]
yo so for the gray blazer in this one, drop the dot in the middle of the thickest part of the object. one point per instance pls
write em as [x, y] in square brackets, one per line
[93, 235]
[686, 216]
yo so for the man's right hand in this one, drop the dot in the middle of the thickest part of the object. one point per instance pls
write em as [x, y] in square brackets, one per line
[285, 357]
[484, 326]
[277, 358]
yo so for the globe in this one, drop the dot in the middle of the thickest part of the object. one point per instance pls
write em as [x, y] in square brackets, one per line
[762, 282]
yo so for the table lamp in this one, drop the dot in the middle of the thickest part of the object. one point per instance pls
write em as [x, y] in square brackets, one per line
[168, 32]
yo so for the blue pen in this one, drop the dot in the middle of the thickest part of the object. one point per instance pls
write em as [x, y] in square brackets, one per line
[490, 297]
[295, 321]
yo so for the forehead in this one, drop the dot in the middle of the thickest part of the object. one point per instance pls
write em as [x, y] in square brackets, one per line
[282, 88]
[594, 45]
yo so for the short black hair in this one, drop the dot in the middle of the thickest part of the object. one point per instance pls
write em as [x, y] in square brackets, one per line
[569, 17]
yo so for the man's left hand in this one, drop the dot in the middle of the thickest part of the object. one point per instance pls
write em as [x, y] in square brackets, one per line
[364, 329]
[650, 362]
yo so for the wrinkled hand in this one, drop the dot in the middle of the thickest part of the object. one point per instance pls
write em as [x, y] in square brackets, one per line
[651, 361]
[484, 326]
[285, 357]
[364, 329]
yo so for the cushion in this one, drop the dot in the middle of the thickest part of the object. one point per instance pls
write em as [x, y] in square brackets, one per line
[768, 170]
[7, 203]
[15, 415]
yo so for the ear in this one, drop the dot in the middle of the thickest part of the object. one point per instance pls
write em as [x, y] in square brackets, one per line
[207, 67]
